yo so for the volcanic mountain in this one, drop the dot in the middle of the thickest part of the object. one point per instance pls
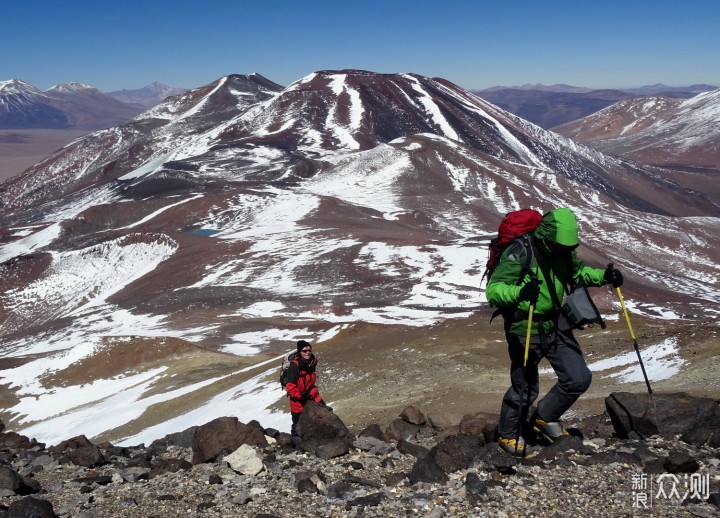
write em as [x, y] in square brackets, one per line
[24, 106]
[656, 130]
[242, 215]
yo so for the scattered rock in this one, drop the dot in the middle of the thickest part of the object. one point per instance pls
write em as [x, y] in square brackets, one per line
[435, 475]
[245, 460]
[457, 452]
[426, 469]
[413, 415]
[680, 462]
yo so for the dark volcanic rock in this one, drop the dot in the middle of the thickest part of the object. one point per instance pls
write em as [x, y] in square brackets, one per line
[324, 432]
[661, 414]
[224, 434]
[413, 415]
[426, 469]
[457, 452]
[30, 507]
[88, 456]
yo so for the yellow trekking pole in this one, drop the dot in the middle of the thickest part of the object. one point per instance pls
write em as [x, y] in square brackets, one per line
[527, 335]
[632, 335]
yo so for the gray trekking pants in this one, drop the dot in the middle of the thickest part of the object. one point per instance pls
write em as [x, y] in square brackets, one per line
[574, 377]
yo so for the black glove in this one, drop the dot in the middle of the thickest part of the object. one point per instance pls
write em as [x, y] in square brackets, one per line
[304, 396]
[530, 291]
[613, 275]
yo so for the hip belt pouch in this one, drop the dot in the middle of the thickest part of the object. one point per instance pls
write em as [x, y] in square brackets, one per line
[578, 310]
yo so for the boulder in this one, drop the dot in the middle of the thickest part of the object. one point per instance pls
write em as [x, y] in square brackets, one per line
[479, 423]
[457, 452]
[410, 448]
[401, 429]
[426, 469]
[661, 414]
[79, 441]
[330, 448]
[182, 439]
[223, 435]
[15, 441]
[319, 426]
[87, 456]
[245, 460]
[413, 415]
[31, 508]
[373, 430]
[372, 445]
[10, 479]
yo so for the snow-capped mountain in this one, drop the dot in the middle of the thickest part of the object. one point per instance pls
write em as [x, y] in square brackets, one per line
[24, 106]
[242, 215]
[147, 96]
[69, 105]
[656, 130]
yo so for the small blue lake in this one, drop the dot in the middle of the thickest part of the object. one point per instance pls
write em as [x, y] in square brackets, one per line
[207, 232]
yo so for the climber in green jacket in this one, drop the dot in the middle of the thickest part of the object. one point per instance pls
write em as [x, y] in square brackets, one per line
[540, 280]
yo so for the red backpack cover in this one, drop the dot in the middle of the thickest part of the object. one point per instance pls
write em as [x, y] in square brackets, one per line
[512, 226]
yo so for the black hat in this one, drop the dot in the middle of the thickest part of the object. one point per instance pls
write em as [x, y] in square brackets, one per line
[302, 344]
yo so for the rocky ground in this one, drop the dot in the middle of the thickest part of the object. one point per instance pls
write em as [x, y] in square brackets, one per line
[411, 468]
[456, 372]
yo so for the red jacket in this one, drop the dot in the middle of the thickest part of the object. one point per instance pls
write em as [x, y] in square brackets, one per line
[300, 385]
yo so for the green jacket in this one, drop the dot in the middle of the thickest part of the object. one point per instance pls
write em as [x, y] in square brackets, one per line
[504, 285]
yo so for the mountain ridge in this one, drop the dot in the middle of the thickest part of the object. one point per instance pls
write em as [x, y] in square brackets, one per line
[656, 130]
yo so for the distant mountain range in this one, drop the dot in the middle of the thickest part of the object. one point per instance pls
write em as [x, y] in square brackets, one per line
[148, 96]
[73, 105]
[550, 106]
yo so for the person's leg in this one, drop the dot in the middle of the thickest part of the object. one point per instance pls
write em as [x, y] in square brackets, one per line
[573, 374]
[524, 386]
[295, 419]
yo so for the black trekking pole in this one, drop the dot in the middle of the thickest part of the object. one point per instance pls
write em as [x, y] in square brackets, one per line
[632, 335]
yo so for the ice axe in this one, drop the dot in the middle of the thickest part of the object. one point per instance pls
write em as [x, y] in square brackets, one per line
[632, 335]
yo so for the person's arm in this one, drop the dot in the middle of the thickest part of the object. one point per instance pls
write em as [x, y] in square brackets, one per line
[589, 276]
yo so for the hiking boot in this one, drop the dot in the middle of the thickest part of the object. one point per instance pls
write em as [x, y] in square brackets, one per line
[518, 448]
[553, 430]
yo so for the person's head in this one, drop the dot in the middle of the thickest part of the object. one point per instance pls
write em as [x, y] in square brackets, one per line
[558, 230]
[304, 349]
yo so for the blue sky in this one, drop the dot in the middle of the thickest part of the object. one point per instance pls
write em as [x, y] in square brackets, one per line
[475, 44]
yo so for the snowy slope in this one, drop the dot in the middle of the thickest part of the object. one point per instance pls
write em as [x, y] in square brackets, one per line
[670, 132]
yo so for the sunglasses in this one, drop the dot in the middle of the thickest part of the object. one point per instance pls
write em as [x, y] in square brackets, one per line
[306, 350]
